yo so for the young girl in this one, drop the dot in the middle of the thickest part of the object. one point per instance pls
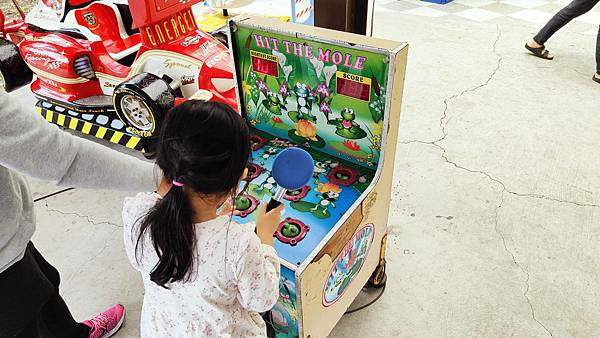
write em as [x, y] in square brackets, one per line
[204, 275]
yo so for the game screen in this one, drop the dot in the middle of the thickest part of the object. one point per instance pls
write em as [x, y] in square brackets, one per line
[319, 95]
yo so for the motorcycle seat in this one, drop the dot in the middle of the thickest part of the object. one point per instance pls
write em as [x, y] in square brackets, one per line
[104, 20]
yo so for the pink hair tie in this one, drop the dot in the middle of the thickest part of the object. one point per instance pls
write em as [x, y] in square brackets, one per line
[177, 184]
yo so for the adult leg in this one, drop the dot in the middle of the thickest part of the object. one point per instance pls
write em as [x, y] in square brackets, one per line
[55, 314]
[24, 289]
[598, 53]
[564, 16]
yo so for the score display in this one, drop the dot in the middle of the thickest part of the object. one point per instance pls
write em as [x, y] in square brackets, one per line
[354, 86]
[264, 63]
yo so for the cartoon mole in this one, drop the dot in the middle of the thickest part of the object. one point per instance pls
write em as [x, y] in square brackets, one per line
[346, 127]
[304, 100]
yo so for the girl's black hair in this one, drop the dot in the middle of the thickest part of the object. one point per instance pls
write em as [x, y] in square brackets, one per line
[205, 146]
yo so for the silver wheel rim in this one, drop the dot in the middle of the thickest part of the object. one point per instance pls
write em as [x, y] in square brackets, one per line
[137, 113]
[2, 82]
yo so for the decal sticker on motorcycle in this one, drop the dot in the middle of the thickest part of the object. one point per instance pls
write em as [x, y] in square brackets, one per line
[191, 40]
[90, 18]
[187, 80]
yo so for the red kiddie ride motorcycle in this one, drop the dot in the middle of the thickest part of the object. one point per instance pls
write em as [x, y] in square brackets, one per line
[134, 58]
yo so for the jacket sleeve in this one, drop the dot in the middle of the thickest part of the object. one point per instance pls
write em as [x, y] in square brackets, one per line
[32, 146]
[257, 274]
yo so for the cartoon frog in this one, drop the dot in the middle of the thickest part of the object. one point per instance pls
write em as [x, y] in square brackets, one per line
[273, 103]
[346, 127]
[267, 154]
[269, 184]
[322, 169]
[304, 100]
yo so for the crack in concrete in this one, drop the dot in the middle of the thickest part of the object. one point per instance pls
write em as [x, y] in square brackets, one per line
[443, 126]
[519, 265]
[443, 119]
[92, 258]
[86, 217]
[525, 294]
[498, 230]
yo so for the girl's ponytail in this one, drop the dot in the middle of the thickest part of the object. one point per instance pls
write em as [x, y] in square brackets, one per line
[173, 236]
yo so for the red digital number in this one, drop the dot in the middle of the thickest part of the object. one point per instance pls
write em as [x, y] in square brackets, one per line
[266, 67]
[353, 89]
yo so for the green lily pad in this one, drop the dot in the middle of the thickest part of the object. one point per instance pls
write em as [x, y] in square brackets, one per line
[319, 143]
[302, 206]
[353, 133]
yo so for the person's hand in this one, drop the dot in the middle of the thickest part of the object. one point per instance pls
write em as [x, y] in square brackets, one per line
[228, 209]
[267, 223]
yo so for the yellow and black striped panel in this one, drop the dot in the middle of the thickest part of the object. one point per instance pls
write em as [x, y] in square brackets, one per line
[88, 128]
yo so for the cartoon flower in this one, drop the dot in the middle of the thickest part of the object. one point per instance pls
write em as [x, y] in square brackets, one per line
[306, 129]
[329, 72]
[325, 108]
[284, 90]
[253, 123]
[276, 119]
[287, 70]
[351, 145]
[281, 59]
[318, 64]
[323, 90]
[281, 143]
[262, 85]
[362, 179]
[247, 88]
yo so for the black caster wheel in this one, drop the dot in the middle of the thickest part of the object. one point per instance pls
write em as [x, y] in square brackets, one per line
[14, 72]
[378, 278]
[142, 102]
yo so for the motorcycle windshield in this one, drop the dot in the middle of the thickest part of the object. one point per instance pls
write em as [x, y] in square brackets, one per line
[151, 11]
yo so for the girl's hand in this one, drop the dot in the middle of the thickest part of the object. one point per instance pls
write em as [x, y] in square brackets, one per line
[228, 209]
[267, 223]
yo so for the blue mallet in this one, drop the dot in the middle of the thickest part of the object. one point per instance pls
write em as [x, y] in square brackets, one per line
[292, 169]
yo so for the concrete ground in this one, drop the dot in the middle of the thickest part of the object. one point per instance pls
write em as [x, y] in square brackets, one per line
[495, 222]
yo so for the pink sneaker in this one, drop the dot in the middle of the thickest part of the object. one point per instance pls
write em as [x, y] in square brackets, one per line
[107, 323]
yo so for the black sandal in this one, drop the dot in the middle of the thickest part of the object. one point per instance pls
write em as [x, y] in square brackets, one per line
[595, 78]
[540, 52]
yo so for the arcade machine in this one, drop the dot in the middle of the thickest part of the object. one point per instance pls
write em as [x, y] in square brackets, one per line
[338, 96]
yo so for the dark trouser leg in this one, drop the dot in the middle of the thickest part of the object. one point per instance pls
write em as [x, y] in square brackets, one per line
[564, 16]
[55, 314]
[598, 52]
[31, 331]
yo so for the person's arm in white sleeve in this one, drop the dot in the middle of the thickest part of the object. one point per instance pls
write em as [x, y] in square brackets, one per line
[257, 274]
[32, 146]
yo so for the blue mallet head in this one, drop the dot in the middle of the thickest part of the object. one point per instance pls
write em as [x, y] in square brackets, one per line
[293, 168]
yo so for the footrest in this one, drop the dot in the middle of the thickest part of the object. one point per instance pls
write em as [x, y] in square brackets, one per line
[97, 125]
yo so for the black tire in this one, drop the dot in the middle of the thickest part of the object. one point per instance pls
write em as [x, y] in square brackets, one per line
[13, 69]
[153, 97]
